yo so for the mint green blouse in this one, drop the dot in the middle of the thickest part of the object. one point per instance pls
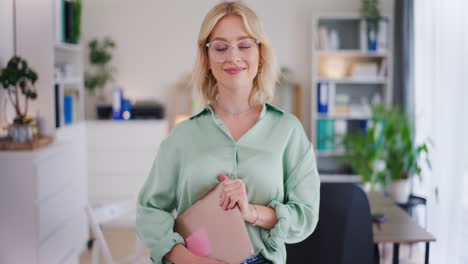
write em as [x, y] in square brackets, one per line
[274, 158]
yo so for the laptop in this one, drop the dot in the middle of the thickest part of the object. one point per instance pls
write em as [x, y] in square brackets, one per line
[210, 231]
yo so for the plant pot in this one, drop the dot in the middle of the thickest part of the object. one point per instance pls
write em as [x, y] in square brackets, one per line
[366, 187]
[399, 190]
[20, 132]
[372, 33]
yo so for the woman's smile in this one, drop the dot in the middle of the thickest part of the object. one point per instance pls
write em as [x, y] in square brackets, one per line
[234, 70]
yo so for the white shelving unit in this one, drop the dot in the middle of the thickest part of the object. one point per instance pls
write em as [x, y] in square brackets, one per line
[68, 70]
[355, 80]
[69, 56]
[67, 47]
[349, 52]
[335, 66]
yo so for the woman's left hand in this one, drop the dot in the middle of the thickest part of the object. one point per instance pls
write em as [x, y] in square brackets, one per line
[234, 192]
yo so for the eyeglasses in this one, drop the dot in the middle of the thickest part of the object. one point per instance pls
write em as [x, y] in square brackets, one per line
[219, 49]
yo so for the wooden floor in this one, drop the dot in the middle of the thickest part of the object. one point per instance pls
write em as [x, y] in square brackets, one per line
[121, 243]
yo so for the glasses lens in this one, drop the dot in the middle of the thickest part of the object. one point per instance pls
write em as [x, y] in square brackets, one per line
[245, 44]
[219, 46]
[220, 49]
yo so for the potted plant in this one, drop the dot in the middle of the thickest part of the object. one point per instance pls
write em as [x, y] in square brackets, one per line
[403, 156]
[100, 55]
[386, 154]
[19, 79]
[371, 14]
[365, 152]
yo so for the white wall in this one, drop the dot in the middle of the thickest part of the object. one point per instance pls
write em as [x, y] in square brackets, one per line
[6, 51]
[34, 43]
[6, 29]
[156, 39]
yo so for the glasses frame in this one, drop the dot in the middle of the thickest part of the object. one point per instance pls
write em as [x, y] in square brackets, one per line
[209, 44]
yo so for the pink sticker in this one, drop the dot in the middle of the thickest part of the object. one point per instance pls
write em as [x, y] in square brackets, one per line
[198, 243]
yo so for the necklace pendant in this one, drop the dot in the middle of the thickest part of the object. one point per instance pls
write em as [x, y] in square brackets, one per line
[236, 116]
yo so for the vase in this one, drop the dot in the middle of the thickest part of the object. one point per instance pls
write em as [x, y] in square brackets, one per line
[399, 191]
[20, 132]
[372, 33]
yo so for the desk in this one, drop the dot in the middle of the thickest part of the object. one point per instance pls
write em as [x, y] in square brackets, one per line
[398, 227]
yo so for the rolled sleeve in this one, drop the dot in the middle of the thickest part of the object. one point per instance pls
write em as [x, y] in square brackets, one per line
[298, 214]
[156, 200]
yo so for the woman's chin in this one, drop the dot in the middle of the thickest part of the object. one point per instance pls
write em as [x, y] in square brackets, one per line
[238, 84]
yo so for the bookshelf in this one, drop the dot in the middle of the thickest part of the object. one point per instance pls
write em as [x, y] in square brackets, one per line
[349, 74]
[68, 68]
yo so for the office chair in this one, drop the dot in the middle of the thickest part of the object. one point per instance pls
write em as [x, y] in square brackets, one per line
[344, 231]
[103, 215]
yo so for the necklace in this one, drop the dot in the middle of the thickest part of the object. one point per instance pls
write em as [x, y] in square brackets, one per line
[234, 115]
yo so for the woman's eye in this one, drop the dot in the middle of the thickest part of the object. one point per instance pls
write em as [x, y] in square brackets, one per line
[244, 47]
[221, 49]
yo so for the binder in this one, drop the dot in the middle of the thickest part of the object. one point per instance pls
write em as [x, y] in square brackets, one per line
[325, 134]
[68, 109]
[326, 97]
[323, 97]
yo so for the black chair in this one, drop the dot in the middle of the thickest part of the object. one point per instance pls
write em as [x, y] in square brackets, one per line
[344, 231]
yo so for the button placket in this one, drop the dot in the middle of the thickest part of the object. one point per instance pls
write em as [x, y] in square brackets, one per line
[235, 162]
[220, 124]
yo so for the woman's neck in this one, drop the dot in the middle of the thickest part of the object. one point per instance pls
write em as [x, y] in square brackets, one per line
[233, 100]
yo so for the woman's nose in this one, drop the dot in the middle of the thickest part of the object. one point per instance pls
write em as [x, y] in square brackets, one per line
[233, 54]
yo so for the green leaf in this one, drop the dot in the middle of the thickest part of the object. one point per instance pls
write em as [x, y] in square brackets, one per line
[22, 84]
[32, 95]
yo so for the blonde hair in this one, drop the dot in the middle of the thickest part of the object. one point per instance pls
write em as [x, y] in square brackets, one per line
[203, 79]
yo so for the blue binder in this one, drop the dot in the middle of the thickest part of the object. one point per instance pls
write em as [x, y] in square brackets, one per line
[323, 97]
[68, 106]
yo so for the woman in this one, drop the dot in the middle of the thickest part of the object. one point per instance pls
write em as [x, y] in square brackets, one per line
[259, 153]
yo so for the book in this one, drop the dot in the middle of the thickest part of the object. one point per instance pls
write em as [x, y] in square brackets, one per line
[58, 108]
[363, 35]
[382, 43]
[68, 109]
[325, 97]
[364, 70]
[325, 134]
[383, 68]
[323, 92]
[322, 38]
[211, 231]
[68, 19]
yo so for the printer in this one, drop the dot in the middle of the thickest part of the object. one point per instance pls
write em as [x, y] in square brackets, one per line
[142, 109]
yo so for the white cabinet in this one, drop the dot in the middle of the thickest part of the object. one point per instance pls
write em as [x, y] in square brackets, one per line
[120, 155]
[42, 205]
